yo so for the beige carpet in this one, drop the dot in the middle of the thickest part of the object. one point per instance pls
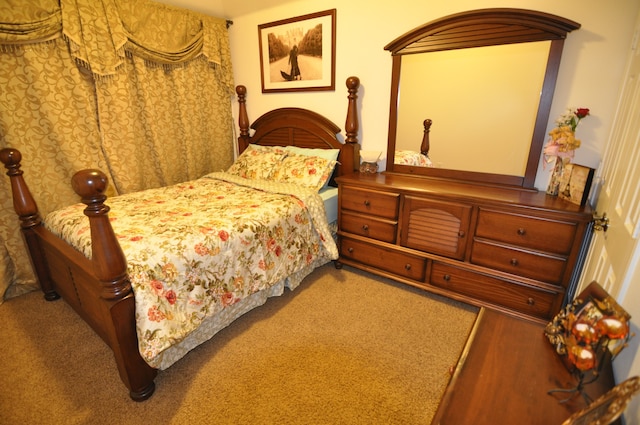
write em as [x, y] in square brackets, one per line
[346, 347]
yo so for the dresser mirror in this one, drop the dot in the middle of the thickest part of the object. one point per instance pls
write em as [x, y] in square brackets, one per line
[485, 80]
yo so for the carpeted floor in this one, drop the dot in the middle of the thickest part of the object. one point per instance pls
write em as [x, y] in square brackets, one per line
[346, 347]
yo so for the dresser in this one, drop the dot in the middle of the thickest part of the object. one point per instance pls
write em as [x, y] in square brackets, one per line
[512, 250]
[505, 373]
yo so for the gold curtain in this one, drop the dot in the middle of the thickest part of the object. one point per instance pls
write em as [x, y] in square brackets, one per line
[138, 89]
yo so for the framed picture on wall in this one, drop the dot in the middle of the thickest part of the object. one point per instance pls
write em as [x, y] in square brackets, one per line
[298, 54]
[575, 183]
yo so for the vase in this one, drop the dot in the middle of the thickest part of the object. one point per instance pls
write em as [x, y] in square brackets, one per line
[556, 176]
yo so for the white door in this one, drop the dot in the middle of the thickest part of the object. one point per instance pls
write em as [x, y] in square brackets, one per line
[613, 251]
[614, 257]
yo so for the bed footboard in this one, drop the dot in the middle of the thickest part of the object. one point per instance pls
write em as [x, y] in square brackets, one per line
[98, 289]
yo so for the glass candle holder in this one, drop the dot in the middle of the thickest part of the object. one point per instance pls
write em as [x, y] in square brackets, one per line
[369, 162]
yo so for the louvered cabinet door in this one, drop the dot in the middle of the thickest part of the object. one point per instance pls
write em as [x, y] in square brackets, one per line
[437, 227]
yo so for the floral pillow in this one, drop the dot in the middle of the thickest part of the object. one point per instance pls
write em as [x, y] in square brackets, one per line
[257, 162]
[309, 171]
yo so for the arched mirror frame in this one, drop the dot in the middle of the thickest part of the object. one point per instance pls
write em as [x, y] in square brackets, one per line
[477, 28]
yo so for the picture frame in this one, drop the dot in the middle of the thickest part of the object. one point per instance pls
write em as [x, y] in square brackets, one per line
[575, 183]
[308, 41]
[609, 406]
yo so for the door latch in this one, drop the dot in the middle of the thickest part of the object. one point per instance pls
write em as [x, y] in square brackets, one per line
[600, 222]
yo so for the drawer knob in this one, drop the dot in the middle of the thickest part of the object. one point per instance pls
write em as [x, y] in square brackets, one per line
[367, 203]
[461, 233]
[514, 262]
[407, 266]
[531, 301]
[365, 227]
[446, 277]
[521, 231]
[350, 250]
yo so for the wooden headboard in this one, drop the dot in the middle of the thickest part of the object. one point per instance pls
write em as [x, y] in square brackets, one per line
[304, 128]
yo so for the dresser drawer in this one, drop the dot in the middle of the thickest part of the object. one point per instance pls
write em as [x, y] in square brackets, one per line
[529, 232]
[382, 204]
[535, 265]
[519, 297]
[397, 263]
[365, 225]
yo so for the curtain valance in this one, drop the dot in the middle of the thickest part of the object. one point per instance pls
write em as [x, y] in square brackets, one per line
[34, 22]
[99, 32]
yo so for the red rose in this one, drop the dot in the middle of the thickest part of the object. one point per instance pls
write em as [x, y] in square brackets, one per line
[223, 235]
[171, 297]
[582, 112]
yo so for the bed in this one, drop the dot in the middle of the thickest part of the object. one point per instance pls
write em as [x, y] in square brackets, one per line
[158, 272]
[419, 158]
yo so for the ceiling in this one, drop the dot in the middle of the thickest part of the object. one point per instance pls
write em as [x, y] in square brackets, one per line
[228, 9]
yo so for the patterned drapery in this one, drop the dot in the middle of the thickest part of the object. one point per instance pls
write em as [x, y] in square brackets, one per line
[138, 89]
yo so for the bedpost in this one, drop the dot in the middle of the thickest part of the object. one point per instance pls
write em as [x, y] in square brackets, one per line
[351, 126]
[108, 260]
[243, 119]
[110, 267]
[27, 210]
[425, 145]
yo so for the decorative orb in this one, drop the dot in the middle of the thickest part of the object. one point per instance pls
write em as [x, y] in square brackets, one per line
[584, 332]
[612, 327]
[582, 357]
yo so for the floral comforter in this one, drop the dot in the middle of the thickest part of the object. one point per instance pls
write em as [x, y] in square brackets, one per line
[404, 157]
[195, 248]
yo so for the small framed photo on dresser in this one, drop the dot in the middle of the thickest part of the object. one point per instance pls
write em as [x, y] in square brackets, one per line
[575, 183]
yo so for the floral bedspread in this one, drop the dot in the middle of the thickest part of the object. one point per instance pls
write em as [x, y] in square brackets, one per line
[195, 248]
[404, 157]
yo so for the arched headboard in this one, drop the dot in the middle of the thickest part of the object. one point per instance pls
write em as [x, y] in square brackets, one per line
[304, 128]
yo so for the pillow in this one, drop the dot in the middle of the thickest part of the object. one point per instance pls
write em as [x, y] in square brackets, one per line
[257, 162]
[330, 154]
[309, 171]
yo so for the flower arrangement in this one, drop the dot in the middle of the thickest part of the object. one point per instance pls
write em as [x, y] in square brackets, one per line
[563, 142]
[562, 145]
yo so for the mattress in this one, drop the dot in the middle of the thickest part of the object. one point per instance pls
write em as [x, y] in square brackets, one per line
[329, 197]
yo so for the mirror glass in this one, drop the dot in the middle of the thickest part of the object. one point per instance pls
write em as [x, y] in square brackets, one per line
[482, 101]
[485, 79]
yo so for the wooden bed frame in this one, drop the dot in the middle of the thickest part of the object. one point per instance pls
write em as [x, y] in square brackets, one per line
[99, 288]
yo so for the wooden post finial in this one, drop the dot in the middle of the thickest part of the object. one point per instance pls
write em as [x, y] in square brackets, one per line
[23, 202]
[351, 125]
[426, 143]
[243, 118]
[25, 206]
[109, 262]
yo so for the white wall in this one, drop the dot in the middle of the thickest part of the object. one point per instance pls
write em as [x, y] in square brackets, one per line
[593, 61]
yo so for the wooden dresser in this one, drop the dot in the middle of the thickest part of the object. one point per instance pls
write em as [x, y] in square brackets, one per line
[504, 375]
[513, 250]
